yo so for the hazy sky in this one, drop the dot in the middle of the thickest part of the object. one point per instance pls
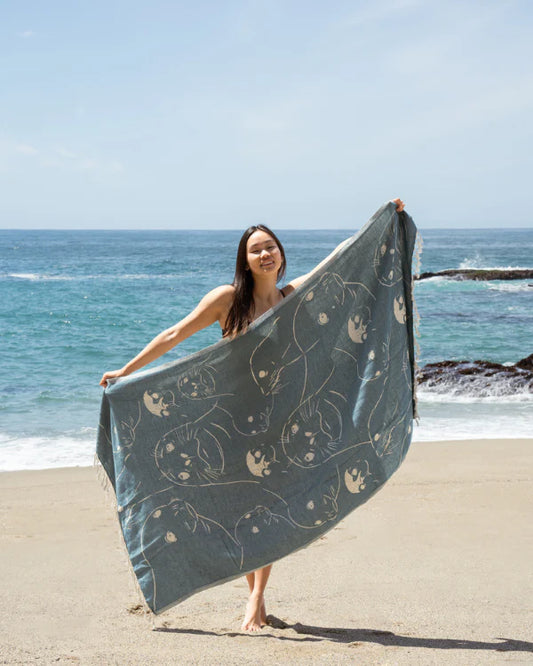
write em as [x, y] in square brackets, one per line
[297, 113]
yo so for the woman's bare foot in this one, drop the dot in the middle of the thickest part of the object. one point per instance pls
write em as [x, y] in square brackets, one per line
[253, 620]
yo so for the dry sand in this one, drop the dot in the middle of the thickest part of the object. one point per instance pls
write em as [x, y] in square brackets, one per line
[435, 569]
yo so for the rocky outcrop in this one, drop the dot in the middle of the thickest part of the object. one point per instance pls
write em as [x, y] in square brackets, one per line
[478, 378]
[481, 274]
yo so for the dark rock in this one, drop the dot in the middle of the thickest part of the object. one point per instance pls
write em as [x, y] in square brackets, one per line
[478, 378]
[526, 363]
[481, 274]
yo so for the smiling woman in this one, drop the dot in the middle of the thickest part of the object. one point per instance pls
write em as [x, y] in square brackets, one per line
[260, 265]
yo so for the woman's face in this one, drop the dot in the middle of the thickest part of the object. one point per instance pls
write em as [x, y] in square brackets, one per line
[263, 255]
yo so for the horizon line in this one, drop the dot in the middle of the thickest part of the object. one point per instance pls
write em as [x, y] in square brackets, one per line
[106, 229]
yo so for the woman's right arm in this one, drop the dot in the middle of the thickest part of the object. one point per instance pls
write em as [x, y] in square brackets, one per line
[213, 307]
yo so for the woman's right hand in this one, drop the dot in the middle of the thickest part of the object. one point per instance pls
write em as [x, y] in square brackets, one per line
[111, 375]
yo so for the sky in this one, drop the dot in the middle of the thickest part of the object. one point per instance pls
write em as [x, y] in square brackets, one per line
[301, 114]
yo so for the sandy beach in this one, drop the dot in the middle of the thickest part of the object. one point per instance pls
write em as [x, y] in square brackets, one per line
[435, 569]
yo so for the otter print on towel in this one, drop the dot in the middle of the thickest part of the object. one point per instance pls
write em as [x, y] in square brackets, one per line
[230, 459]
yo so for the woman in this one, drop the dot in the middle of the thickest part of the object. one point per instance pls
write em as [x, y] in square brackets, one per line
[260, 265]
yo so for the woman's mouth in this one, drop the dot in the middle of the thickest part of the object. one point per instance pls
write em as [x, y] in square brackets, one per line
[266, 264]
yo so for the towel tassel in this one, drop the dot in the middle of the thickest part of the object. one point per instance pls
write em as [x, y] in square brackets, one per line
[111, 502]
[416, 322]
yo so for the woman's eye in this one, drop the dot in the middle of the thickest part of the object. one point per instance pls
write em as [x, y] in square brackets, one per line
[270, 248]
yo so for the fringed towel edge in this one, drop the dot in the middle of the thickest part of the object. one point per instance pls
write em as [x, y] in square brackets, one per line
[111, 501]
[417, 256]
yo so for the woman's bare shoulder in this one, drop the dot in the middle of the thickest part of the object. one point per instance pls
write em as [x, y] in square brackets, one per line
[223, 291]
[219, 300]
[288, 288]
[294, 284]
[221, 296]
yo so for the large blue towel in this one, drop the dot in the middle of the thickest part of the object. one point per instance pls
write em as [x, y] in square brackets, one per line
[229, 459]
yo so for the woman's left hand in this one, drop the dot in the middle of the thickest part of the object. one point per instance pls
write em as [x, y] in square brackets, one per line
[110, 375]
[399, 205]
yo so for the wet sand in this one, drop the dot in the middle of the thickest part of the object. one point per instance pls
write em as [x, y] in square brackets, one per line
[435, 569]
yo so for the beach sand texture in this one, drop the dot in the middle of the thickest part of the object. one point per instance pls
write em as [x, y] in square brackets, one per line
[435, 569]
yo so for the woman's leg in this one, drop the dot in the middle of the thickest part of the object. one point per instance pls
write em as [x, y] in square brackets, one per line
[255, 616]
[264, 573]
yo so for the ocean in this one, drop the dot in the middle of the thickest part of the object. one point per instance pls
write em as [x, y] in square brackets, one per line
[77, 303]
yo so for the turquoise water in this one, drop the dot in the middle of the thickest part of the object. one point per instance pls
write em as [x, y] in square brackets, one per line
[77, 303]
[476, 320]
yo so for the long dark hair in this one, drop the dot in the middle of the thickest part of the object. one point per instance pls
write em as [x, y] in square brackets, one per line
[242, 309]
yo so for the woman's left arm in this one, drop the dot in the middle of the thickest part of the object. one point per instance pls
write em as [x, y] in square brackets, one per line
[299, 280]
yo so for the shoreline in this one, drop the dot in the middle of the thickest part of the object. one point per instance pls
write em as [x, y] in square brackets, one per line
[458, 441]
[435, 568]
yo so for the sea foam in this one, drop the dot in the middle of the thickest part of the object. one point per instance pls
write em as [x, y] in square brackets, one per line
[17, 453]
